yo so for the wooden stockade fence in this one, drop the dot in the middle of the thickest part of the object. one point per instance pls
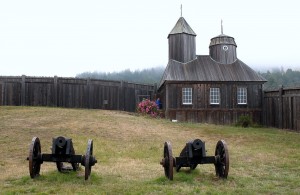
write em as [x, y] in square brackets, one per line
[73, 92]
[281, 108]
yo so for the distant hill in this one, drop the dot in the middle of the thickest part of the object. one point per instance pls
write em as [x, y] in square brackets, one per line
[147, 76]
[275, 77]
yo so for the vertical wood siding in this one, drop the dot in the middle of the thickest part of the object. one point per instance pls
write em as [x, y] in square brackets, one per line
[182, 47]
[228, 95]
[227, 112]
[1, 93]
[72, 92]
[282, 108]
[224, 57]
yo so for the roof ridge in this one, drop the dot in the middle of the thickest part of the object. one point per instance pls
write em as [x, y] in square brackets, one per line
[205, 69]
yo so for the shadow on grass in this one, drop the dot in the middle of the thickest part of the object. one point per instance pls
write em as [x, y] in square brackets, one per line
[191, 182]
[188, 176]
[52, 182]
[55, 177]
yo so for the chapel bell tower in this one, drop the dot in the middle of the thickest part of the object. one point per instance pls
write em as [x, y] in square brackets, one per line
[222, 48]
[182, 42]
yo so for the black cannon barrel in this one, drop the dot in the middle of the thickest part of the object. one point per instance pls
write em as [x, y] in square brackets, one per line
[193, 147]
[197, 144]
[62, 145]
[60, 142]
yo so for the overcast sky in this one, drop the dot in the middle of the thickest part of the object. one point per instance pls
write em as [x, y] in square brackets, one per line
[67, 37]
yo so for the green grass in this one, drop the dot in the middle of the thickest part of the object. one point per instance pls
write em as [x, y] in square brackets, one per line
[129, 148]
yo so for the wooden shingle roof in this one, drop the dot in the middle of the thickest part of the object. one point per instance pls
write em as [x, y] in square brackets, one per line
[204, 68]
[182, 27]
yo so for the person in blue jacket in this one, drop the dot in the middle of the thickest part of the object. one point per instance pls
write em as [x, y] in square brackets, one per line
[158, 103]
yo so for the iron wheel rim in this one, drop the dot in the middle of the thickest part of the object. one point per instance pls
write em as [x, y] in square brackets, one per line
[168, 160]
[222, 155]
[88, 155]
[34, 153]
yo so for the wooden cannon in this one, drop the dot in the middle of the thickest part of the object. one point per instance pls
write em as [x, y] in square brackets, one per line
[62, 151]
[194, 153]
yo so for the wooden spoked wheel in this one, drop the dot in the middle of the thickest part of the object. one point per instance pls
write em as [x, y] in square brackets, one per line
[88, 159]
[222, 159]
[34, 157]
[168, 160]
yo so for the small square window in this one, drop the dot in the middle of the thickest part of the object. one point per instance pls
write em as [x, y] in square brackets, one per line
[186, 95]
[241, 95]
[214, 95]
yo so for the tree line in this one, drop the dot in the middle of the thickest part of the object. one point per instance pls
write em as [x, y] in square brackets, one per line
[275, 77]
[145, 76]
[278, 77]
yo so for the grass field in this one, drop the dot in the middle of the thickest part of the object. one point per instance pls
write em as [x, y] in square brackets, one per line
[129, 148]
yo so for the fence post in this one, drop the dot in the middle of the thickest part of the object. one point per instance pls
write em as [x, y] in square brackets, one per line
[167, 114]
[291, 122]
[155, 91]
[23, 92]
[87, 94]
[55, 102]
[122, 96]
[280, 109]
[263, 110]
[2, 94]
[155, 88]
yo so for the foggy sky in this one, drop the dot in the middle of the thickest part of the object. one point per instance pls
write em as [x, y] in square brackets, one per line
[64, 38]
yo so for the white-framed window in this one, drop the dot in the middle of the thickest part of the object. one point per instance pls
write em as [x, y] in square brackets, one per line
[187, 96]
[242, 95]
[214, 95]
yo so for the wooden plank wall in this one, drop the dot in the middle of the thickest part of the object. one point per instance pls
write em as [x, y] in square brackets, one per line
[1, 95]
[228, 99]
[224, 57]
[213, 116]
[72, 92]
[281, 108]
[227, 112]
[182, 47]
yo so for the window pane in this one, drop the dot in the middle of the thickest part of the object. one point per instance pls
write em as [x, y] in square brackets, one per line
[186, 95]
[214, 95]
[242, 95]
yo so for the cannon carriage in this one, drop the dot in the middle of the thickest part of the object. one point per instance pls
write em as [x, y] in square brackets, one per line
[62, 151]
[194, 153]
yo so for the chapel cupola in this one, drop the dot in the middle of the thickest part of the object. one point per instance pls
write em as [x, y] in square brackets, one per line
[222, 48]
[182, 42]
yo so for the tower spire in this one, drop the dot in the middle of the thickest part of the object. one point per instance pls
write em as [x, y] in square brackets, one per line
[181, 10]
[221, 26]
